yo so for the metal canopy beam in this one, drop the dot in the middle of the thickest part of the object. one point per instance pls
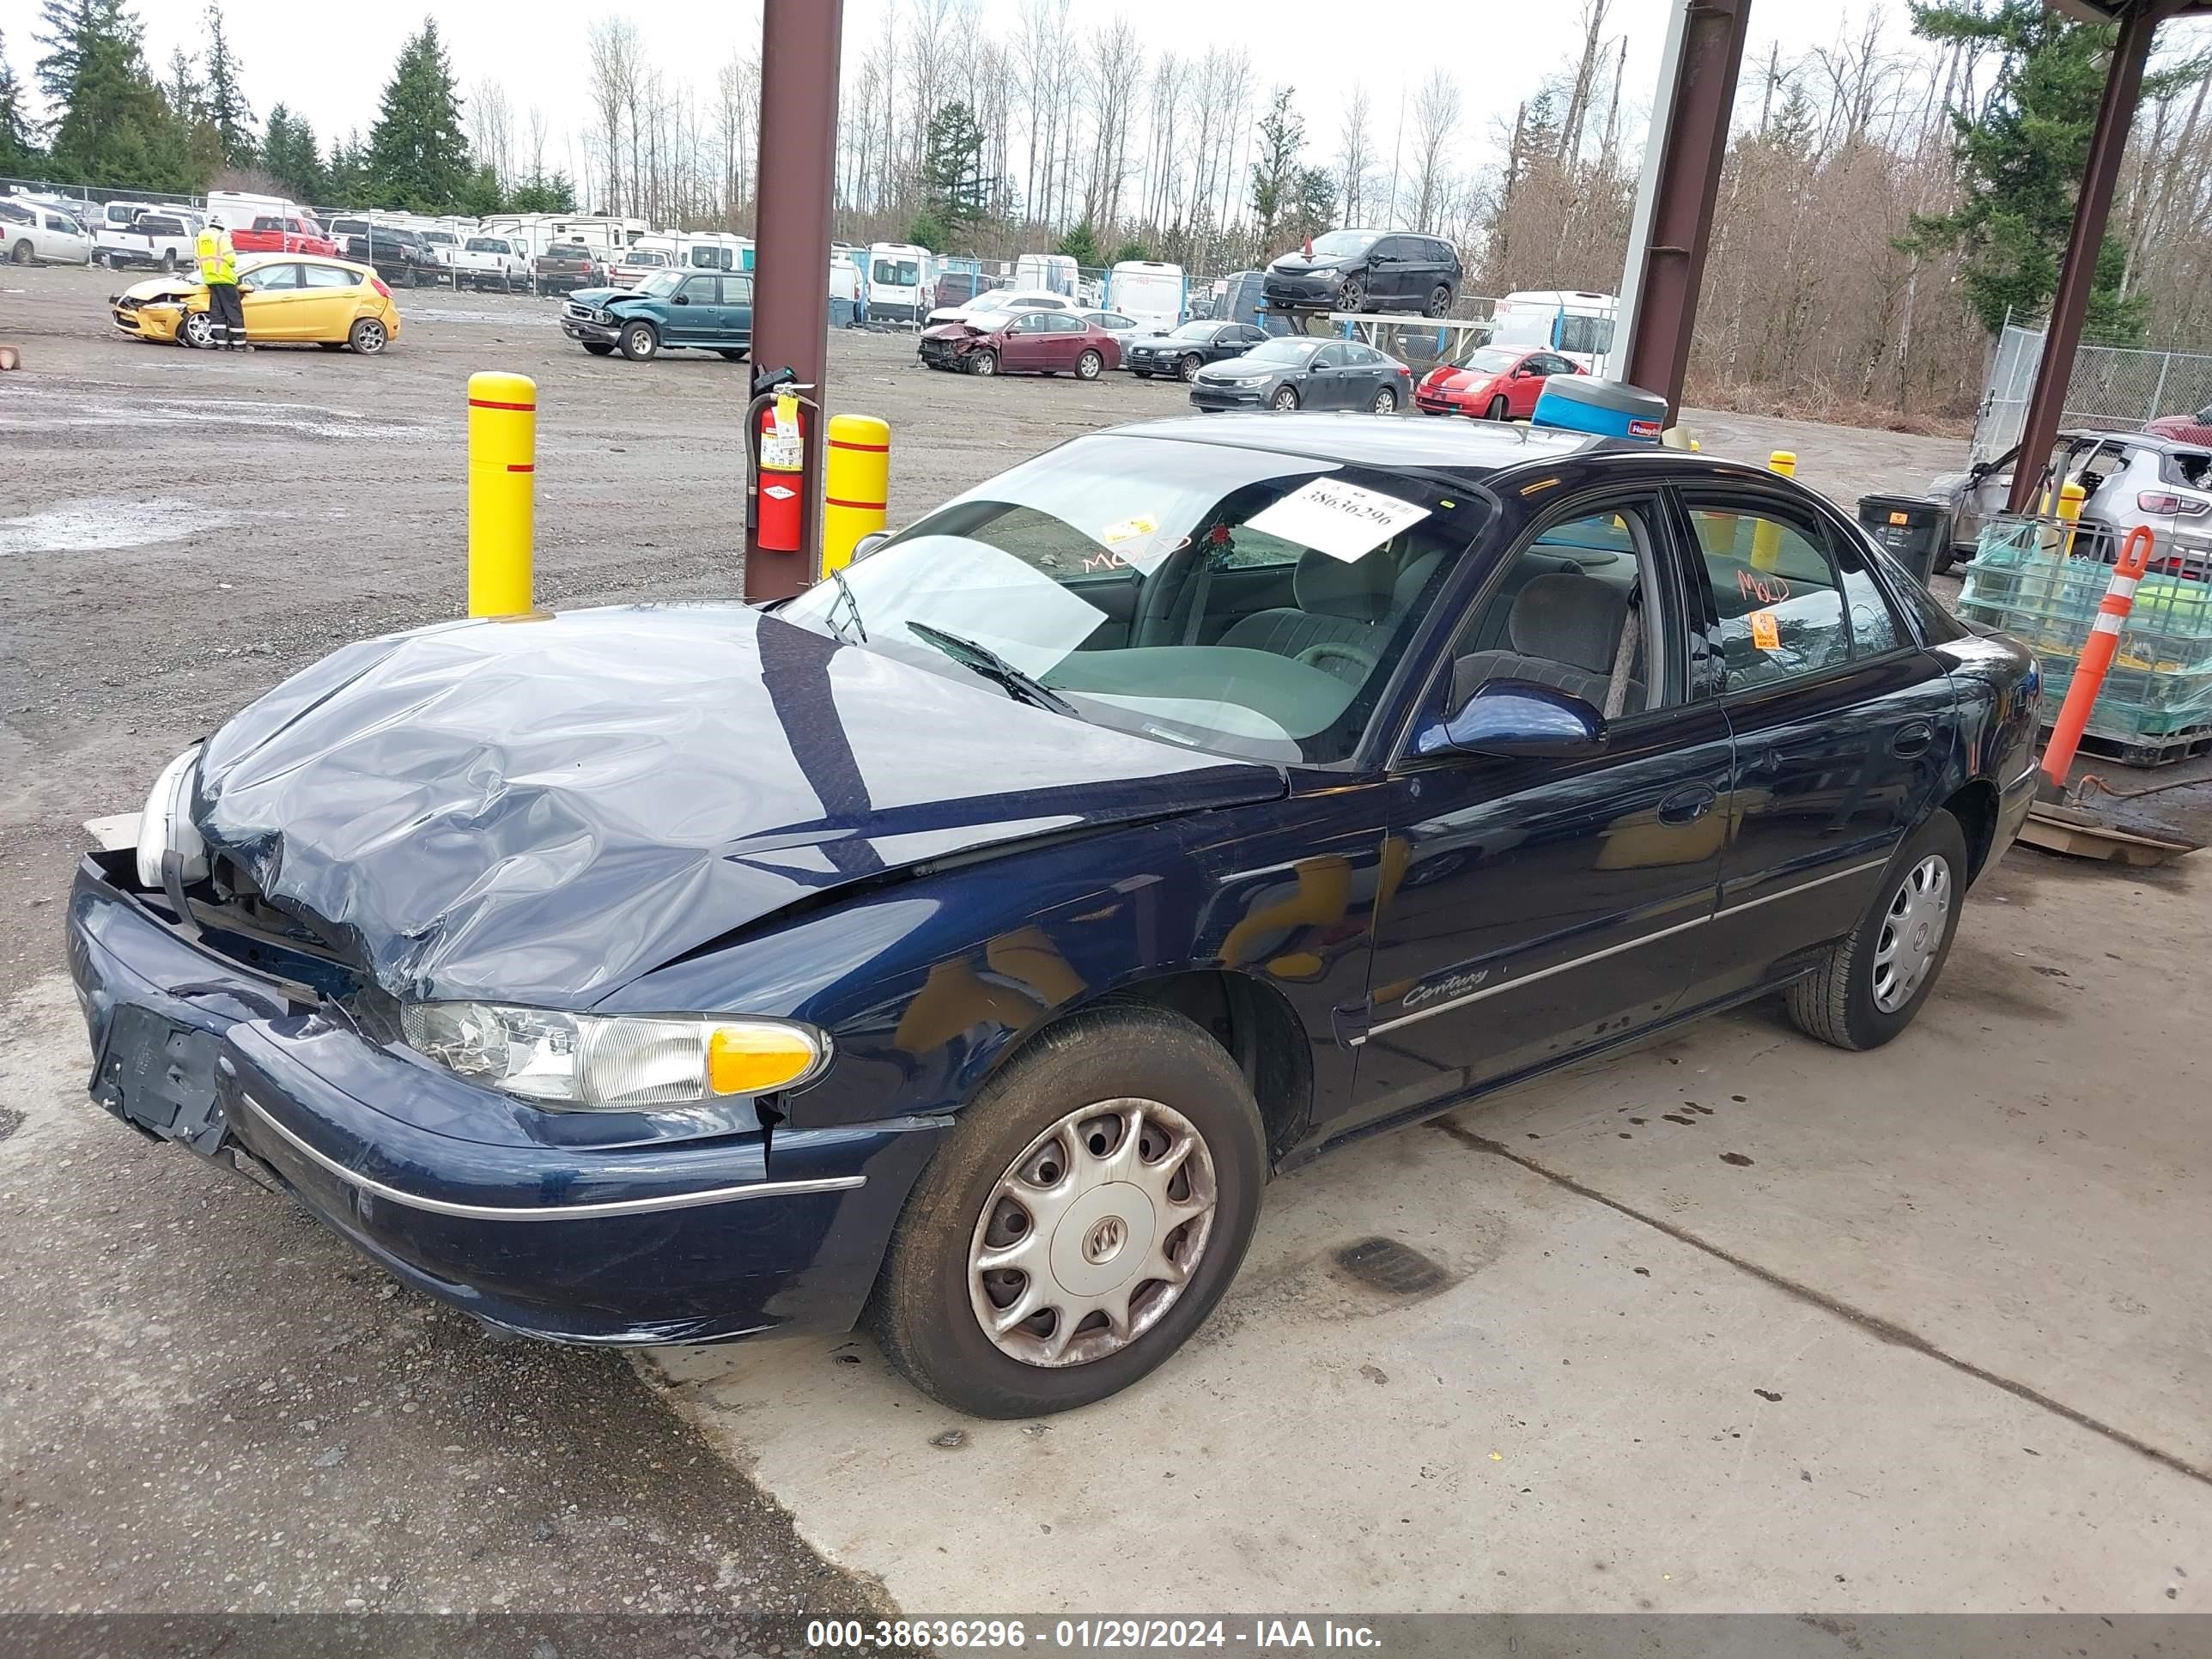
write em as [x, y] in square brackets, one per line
[1674, 206]
[797, 147]
[2108, 143]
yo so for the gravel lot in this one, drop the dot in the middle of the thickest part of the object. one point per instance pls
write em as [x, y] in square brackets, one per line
[205, 1401]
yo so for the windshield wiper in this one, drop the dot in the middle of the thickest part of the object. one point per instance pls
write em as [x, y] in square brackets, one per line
[992, 666]
[852, 609]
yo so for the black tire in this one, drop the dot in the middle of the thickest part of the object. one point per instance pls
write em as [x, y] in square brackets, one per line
[639, 342]
[168, 261]
[367, 336]
[1087, 366]
[598, 348]
[1947, 555]
[730, 354]
[984, 363]
[1187, 368]
[1498, 410]
[1352, 295]
[1440, 301]
[196, 330]
[329, 345]
[1385, 400]
[1838, 1003]
[1286, 398]
[921, 1312]
[22, 252]
[1142, 373]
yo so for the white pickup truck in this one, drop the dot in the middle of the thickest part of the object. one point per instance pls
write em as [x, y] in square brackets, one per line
[166, 237]
[484, 262]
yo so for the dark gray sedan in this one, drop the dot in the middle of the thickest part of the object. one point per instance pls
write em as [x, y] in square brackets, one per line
[1305, 373]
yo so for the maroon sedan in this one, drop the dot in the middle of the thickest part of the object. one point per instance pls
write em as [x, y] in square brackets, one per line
[2184, 428]
[1497, 383]
[1026, 343]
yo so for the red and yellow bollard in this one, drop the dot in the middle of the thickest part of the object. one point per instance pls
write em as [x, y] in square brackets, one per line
[2096, 653]
[503, 481]
[856, 485]
[1766, 534]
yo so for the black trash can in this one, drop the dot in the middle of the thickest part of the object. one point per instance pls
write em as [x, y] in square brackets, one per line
[1914, 529]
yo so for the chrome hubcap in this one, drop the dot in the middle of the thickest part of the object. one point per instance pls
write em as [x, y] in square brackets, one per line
[1091, 1234]
[1912, 933]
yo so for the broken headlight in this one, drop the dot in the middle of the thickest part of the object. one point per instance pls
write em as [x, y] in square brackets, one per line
[614, 1063]
[166, 825]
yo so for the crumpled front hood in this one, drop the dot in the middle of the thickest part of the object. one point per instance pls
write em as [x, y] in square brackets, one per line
[1298, 265]
[599, 297]
[540, 809]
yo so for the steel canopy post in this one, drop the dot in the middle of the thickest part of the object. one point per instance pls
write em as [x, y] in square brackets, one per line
[800, 43]
[1674, 206]
[2116, 113]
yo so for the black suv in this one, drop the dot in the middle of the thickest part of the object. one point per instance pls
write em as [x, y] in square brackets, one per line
[1366, 271]
[399, 255]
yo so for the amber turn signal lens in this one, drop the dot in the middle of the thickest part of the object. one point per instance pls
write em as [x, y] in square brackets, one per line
[751, 1060]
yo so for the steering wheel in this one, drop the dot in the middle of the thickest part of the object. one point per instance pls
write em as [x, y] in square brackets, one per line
[1357, 655]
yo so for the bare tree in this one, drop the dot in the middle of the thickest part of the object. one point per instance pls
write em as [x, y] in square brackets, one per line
[491, 130]
[1436, 118]
[611, 59]
[1578, 100]
[1355, 153]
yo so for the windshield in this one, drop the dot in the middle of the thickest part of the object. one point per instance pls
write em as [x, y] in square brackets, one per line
[1195, 331]
[1343, 243]
[487, 244]
[1491, 360]
[1279, 351]
[1104, 570]
[442, 238]
[661, 285]
[982, 302]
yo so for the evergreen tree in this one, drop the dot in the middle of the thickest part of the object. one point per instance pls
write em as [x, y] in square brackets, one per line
[481, 194]
[954, 187]
[290, 156]
[418, 156]
[2021, 162]
[225, 104]
[346, 178]
[544, 193]
[18, 153]
[1081, 245]
[116, 127]
[1131, 252]
[1276, 177]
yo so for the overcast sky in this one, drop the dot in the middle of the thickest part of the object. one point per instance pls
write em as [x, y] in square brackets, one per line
[536, 51]
[332, 69]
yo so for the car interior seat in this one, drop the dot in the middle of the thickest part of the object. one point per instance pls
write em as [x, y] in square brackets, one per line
[1563, 630]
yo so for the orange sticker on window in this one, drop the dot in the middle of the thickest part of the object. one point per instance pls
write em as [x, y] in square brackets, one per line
[1765, 633]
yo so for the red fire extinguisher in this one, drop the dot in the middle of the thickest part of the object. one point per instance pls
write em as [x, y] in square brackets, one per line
[779, 513]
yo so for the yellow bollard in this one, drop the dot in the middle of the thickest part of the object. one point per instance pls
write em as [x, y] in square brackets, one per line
[1766, 535]
[503, 481]
[2072, 497]
[856, 485]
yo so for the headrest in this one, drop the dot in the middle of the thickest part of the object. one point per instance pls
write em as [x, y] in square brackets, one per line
[1570, 619]
[1411, 580]
[1358, 591]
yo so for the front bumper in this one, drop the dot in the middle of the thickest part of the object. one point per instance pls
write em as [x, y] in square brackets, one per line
[589, 328]
[1442, 403]
[942, 354]
[1320, 289]
[689, 1240]
[156, 323]
[1207, 397]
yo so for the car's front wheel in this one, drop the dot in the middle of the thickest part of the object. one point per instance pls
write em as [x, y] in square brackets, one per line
[1874, 981]
[639, 342]
[197, 330]
[985, 362]
[1352, 295]
[1285, 397]
[1498, 409]
[1087, 1212]
[1187, 369]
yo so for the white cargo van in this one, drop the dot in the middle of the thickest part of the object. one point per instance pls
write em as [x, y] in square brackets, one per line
[902, 282]
[1575, 324]
[1052, 273]
[1155, 294]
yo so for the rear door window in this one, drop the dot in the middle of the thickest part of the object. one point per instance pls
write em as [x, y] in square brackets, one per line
[330, 276]
[1777, 593]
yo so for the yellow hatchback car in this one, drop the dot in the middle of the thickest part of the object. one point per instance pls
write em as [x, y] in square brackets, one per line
[287, 297]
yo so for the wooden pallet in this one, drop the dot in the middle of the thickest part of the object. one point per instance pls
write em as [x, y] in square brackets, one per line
[2100, 842]
[2147, 751]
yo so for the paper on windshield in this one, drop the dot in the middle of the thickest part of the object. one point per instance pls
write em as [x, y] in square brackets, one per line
[1341, 519]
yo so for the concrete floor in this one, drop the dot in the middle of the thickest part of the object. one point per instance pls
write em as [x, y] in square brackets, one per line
[1734, 1322]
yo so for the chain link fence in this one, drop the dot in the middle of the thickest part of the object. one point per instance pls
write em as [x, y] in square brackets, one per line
[2115, 388]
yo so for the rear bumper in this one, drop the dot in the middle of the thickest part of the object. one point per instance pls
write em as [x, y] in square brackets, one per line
[694, 1240]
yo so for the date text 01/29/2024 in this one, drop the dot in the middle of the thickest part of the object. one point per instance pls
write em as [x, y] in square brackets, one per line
[1259, 1635]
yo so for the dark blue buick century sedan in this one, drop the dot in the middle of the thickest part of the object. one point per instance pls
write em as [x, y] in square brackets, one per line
[962, 945]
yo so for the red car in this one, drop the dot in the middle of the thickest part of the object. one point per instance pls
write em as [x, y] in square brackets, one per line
[283, 233]
[2186, 428]
[1497, 383]
[1025, 343]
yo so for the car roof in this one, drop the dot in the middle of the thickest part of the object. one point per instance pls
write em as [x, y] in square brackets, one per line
[2163, 442]
[1470, 448]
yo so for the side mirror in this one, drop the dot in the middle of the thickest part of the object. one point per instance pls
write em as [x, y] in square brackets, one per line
[683, 299]
[1518, 718]
[869, 543]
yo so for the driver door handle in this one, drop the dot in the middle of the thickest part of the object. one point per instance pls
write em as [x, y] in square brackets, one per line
[1688, 804]
[1912, 739]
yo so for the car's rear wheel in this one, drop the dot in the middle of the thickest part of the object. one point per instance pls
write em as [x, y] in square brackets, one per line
[1285, 397]
[21, 253]
[1439, 301]
[1088, 365]
[1187, 367]
[367, 335]
[1498, 409]
[1085, 1215]
[1874, 981]
[598, 348]
[639, 342]
[169, 260]
[985, 362]
[1386, 401]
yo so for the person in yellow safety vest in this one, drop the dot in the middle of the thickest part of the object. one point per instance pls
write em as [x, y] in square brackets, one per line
[219, 271]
